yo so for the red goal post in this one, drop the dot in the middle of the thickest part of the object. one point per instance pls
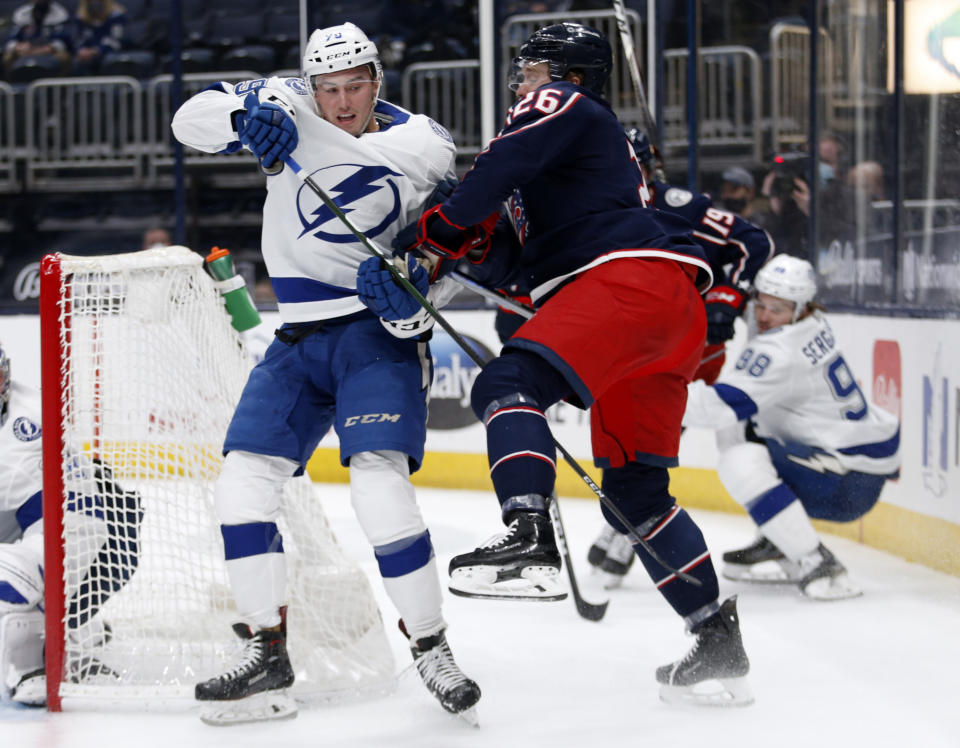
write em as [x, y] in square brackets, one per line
[141, 371]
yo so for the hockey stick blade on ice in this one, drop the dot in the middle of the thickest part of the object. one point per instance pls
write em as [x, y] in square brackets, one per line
[588, 610]
[475, 357]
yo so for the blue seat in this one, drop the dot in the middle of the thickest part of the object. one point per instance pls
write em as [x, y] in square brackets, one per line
[234, 30]
[281, 28]
[256, 57]
[197, 60]
[135, 63]
[30, 68]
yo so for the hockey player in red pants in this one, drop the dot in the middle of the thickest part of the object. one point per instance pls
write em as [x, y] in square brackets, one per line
[619, 316]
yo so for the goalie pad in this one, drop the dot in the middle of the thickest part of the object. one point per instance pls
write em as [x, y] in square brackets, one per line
[21, 650]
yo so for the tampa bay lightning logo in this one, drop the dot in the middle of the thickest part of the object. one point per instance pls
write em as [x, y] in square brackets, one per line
[355, 189]
[25, 430]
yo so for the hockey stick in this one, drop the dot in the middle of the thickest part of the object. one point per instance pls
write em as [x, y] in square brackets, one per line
[475, 357]
[498, 298]
[629, 53]
[590, 611]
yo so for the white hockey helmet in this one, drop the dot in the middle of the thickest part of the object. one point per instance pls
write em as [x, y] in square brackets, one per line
[788, 277]
[4, 385]
[337, 48]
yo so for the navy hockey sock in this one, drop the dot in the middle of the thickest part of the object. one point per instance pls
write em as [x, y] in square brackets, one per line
[520, 450]
[676, 539]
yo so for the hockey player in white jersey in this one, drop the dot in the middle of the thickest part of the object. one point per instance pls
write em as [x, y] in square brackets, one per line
[334, 362]
[813, 445]
[22, 553]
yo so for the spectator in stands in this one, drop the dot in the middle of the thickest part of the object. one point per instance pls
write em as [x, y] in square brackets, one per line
[40, 27]
[100, 25]
[737, 192]
[156, 237]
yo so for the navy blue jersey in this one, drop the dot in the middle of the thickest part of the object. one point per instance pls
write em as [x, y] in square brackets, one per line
[562, 164]
[735, 248]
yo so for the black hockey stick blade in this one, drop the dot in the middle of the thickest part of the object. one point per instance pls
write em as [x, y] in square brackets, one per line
[586, 609]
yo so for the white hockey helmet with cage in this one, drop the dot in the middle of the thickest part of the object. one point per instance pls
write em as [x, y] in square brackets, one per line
[790, 278]
[4, 385]
[337, 48]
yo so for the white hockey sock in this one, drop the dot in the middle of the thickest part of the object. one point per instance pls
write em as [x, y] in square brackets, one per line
[790, 530]
[258, 584]
[418, 599]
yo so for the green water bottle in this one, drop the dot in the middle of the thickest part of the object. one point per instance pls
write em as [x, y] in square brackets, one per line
[243, 314]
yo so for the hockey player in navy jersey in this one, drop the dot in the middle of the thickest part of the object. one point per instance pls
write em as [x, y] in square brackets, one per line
[333, 362]
[736, 250]
[813, 445]
[618, 318]
[104, 527]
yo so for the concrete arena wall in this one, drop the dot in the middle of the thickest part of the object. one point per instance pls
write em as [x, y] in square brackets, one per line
[908, 366]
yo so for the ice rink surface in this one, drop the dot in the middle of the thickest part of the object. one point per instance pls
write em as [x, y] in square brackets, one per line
[881, 670]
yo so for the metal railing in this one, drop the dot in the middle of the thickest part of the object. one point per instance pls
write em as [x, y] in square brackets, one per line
[620, 91]
[790, 83]
[449, 92]
[90, 127]
[729, 101]
[158, 138]
[8, 140]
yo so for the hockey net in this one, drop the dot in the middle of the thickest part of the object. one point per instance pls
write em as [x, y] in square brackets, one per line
[141, 373]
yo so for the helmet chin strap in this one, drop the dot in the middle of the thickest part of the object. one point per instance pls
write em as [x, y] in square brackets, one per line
[373, 107]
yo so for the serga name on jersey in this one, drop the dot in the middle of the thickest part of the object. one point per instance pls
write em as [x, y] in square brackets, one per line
[796, 386]
[311, 256]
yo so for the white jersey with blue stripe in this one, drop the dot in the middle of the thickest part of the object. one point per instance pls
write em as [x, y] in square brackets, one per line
[381, 181]
[21, 458]
[795, 385]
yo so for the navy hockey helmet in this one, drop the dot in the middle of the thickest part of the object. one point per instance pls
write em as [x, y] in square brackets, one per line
[570, 47]
[4, 385]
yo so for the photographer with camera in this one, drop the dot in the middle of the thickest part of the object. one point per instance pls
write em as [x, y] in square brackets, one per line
[787, 188]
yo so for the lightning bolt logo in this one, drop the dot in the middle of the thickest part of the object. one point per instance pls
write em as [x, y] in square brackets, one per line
[354, 188]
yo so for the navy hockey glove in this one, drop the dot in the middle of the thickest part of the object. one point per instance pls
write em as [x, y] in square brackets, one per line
[406, 238]
[383, 296]
[267, 130]
[437, 235]
[724, 304]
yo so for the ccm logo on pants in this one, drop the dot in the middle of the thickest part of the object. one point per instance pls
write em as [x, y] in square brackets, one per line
[372, 418]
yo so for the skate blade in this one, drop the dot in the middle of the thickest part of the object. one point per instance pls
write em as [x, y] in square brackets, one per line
[536, 583]
[715, 692]
[261, 707]
[607, 580]
[469, 716]
[766, 572]
[832, 588]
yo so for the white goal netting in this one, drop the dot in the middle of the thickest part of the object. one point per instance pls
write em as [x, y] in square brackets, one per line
[150, 370]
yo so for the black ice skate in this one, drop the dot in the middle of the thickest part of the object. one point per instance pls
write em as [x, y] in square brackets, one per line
[822, 577]
[713, 673]
[598, 551]
[522, 563]
[618, 560]
[264, 670]
[442, 677]
[760, 562]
